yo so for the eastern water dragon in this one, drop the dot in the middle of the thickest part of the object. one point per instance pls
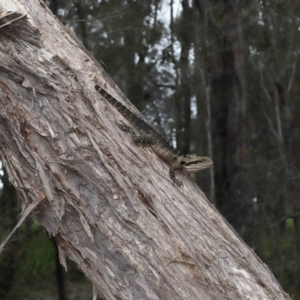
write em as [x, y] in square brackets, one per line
[150, 136]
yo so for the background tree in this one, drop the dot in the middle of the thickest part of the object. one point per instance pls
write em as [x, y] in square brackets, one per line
[227, 79]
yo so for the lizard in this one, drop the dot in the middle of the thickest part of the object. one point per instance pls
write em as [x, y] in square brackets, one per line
[150, 136]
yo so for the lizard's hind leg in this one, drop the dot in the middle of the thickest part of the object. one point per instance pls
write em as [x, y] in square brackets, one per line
[139, 139]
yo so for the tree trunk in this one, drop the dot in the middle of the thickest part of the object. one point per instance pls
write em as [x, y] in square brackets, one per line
[229, 105]
[185, 93]
[109, 204]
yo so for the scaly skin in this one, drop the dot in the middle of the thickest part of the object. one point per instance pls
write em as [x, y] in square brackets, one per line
[149, 136]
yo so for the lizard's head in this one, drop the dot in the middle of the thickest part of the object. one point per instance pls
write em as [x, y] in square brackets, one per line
[193, 164]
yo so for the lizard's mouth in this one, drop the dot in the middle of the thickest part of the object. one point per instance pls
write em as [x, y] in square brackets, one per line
[197, 165]
[193, 162]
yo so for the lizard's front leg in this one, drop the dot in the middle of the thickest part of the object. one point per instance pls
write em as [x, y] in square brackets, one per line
[173, 177]
[139, 139]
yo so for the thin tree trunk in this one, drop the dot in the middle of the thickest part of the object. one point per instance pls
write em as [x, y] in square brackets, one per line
[109, 204]
[59, 274]
[82, 20]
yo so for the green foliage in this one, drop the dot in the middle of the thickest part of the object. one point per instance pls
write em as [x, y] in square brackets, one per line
[34, 276]
[39, 257]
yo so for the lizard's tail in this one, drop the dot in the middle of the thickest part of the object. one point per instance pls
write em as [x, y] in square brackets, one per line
[133, 118]
[137, 122]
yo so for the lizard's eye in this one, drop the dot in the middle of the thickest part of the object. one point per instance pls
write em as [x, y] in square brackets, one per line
[182, 162]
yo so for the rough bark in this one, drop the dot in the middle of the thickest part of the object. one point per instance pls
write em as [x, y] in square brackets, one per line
[109, 204]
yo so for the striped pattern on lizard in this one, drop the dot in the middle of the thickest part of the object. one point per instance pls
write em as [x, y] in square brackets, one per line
[150, 136]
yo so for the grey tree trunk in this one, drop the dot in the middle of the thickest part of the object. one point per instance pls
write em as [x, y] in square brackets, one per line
[109, 204]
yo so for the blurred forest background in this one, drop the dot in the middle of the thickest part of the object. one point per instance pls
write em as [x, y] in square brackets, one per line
[220, 78]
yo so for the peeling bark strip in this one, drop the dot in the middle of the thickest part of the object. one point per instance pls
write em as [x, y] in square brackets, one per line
[109, 203]
[14, 25]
